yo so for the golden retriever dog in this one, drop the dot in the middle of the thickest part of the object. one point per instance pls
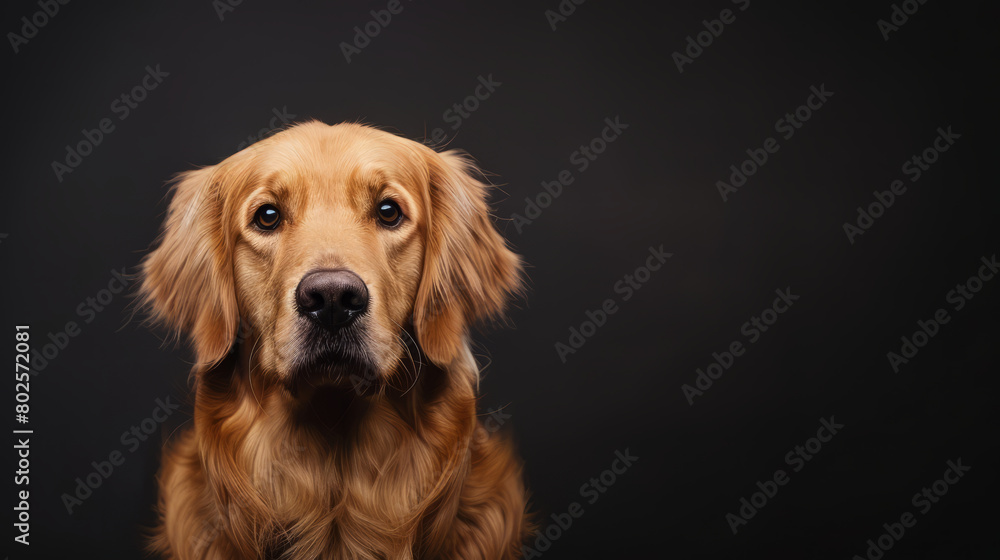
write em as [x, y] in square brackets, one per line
[327, 278]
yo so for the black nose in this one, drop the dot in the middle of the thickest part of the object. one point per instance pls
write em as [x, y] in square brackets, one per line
[332, 298]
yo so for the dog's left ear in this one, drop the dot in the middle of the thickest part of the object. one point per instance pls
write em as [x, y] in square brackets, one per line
[469, 272]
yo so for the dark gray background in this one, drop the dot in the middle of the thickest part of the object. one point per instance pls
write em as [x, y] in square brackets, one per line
[655, 185]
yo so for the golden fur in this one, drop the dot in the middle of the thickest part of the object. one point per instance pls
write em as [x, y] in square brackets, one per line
[280, 464]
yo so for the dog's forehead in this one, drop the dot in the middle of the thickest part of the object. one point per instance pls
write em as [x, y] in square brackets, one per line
[340, 153]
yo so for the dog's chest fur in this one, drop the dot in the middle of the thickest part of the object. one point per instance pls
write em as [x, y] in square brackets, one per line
[299, 490]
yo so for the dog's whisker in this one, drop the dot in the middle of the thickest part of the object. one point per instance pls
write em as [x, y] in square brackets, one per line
[250, 372]
[398, 365]
[417, 364]
[182, 424]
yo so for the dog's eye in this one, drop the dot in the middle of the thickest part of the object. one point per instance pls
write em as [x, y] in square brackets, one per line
[389, 213]
[267, 217]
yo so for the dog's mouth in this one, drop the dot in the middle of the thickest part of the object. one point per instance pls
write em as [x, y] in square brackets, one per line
[343, 359]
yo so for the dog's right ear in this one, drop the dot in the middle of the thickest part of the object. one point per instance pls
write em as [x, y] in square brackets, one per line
[187, 280]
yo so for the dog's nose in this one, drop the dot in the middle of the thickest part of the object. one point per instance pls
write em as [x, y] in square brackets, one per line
[332, 298]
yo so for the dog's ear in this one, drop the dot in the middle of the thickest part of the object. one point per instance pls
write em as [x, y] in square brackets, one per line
[469, 272]
[187, 281]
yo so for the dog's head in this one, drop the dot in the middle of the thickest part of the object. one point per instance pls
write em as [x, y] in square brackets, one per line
[322, 248]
